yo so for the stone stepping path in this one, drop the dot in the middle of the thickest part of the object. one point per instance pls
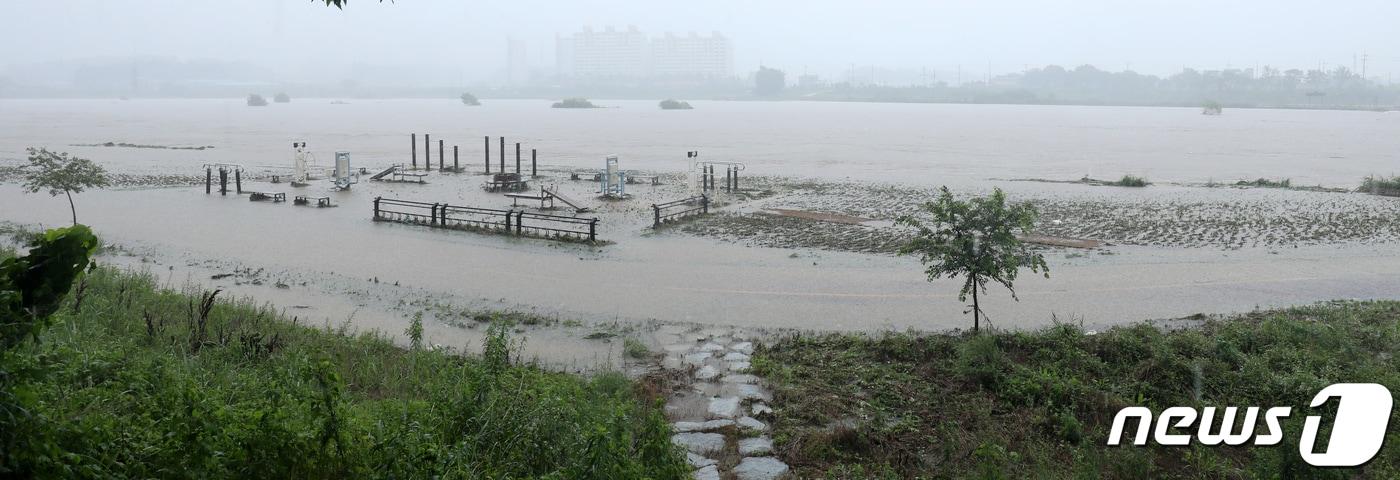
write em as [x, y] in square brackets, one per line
[719, 418]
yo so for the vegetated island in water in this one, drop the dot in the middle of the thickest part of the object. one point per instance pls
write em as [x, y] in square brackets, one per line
[282, 98]
[673, 104]
[574, 103]
[256, 100]
[470, 100]
[137, 145]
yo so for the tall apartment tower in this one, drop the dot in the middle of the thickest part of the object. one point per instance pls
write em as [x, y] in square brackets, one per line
[692, 56]
[631, 54]
[517, 64]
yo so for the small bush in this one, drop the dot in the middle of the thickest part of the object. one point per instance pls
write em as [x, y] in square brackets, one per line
[1131, 181]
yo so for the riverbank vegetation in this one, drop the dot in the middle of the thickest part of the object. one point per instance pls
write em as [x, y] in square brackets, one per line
[1040, 404]
[1381, 185]
[135, 381]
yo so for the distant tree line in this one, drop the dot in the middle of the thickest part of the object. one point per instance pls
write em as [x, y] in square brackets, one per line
[1265, 87]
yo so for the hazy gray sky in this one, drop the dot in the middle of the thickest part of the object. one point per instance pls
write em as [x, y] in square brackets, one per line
[301, 39]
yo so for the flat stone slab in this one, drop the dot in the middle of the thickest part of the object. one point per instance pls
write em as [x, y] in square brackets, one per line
[712, 347]
[724, 407]
[708, 473]
[697, 358]
[745, 348]
[760, 468]
[707, 426]
[735, 357]
[761, 409]
[748, 391]
[700, 443]
[752, 424]
[739, 378]
[739, 367]
[706, 373]
[677, 348]
[699, 461]
[755, 446]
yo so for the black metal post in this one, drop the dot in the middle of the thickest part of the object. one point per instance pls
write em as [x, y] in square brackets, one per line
[488, 154]
[517, 158]
[503, 155]
[223, 181]
[736, 178]
[238, 181]
[593, 230]
[433, 215]
[455, 167]
[413, 143]
[519, 222]
[705, 204]
[208, 179]
[508, 221]
[728, 177]
[427, 152]
[376, 201]
[533, 171]
[655, 216]
[440, 155]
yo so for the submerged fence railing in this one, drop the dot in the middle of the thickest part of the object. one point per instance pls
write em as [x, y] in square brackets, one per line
[678, 209]
[513, 222]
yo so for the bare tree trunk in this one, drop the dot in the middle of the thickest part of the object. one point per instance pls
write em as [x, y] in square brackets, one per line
[71, 208]
[976, 309]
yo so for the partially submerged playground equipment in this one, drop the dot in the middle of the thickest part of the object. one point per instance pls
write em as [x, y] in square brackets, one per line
[613, 182]
[679, 209]
[510, 222]
[224, 170]
[344, 177]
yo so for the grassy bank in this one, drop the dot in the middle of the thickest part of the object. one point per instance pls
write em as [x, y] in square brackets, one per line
[1040, 404]
[139, 382]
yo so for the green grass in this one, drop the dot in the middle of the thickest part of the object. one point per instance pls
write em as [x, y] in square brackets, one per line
[140, 384]
[1381, 185]
[1266, 183]
[1039, 404]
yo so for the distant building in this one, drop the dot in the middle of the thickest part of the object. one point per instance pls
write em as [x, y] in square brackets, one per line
[631, 54]
[517, 65]
[692, 56]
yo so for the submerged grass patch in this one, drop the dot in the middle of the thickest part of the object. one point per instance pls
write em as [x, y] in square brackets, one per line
[147, 383]
[1381, 185]
[1040, 404]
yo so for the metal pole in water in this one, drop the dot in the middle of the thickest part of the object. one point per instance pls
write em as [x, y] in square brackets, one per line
[533, 171]
[517, 158]
[440, 155]
[454, 159]
[427, 152]
[208, 180]
[503, 155]
[413, 144]
[238, 181]
[488, 154]
[223, 181]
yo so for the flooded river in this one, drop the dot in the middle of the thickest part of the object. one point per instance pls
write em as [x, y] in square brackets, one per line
[337, 265]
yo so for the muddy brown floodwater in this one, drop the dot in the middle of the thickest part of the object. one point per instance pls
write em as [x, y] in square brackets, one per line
[1171, 249]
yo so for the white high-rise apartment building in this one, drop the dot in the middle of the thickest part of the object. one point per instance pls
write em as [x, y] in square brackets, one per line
[692, 56]
[630, 54]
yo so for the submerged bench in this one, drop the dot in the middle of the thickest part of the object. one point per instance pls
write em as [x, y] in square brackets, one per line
[515, 199]
[274, 196]
[320, 201]
[409, 177]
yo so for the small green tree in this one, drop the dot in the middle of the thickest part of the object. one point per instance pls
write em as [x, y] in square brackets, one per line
[976, 240]
[59, 173]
